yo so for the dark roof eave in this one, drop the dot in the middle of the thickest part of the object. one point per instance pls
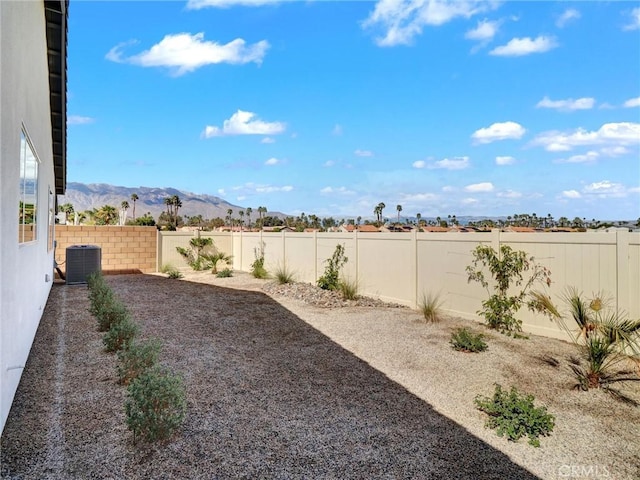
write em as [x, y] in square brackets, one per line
[56, 15]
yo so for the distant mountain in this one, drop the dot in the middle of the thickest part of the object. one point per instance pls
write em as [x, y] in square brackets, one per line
[95, 195]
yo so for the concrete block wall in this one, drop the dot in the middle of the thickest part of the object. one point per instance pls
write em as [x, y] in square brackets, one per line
[126, 249]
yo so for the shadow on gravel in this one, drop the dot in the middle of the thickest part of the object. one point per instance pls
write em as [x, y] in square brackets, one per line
[268, 397]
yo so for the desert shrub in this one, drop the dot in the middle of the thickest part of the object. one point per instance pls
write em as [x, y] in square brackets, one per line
[110, 313]
[136, 359]
[283, 274]
[100, 296]
[195, 255]
[120, 335]
[349, 288]
[431, 307]
[604, 335]
[330, 280]
[257, 267]
[465, 340]
[506, 268]
[174, 274]
[155, 406]
[94, 280]
[514, 415]
[226, 273]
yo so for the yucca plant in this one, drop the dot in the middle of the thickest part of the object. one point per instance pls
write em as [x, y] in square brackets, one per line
[605, 336]
[213, 259]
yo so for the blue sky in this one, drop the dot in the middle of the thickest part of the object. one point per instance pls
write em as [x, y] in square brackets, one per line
[328, 108]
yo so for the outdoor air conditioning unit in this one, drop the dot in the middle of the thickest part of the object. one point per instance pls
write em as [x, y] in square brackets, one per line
[82, 261]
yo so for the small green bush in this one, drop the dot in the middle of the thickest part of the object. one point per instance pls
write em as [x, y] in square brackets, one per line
[94, 279]
[226, 273]
[155, 405]
[174, 274]
[514, 415]
[330, 280]
[257, 267]
[431, 307]
[349, 288]
[136, 359]
[100, 296]
[120, 335]
[465, 340]
[110, 313]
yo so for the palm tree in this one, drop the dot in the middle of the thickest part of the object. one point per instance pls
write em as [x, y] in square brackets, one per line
[399, 209]
[359, 219]
[382, 207]
[106, 215]
[176, 203]
[241, 213]
[167, 202]
[248, 212]
[229, 215]
[124, 206]
[418, 216]
[134, 198]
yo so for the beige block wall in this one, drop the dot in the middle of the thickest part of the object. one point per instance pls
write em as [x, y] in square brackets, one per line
[126, 249]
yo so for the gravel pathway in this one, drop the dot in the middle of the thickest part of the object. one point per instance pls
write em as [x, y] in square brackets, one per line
[278, 388]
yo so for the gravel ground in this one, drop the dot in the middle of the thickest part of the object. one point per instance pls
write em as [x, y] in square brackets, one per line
[288, 382]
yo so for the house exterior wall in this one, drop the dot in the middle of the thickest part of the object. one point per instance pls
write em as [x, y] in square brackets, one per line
[25, 269]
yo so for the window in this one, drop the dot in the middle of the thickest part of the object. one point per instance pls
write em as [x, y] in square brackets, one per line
[28, 203]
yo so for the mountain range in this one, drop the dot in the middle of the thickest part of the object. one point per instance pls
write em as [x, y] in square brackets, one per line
[95, 195]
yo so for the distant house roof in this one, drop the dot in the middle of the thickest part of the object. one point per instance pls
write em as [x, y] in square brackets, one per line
[368, 228]
[56, 15]
[520, 229]
[435, 229]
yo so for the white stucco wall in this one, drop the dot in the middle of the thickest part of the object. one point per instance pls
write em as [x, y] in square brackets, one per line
[24, 100]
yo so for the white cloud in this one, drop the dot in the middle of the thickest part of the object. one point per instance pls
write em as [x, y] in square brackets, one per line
[605, 189]
[268, 140]
[617, 134]
[456, 163]
[273, 161]
[221, 191]
[589, 157]
[418, 197]
[79, 120]
[632, 102]
[198, 4]
[567, 105]
[571, 194]
[505, 160]
[272, 189]
[329, 163]
[499, 131]
[184, 53]
[363, 153]
[479, 187]
[336, 191]
[518, 47]
[243, 123]
[402, 20]
[485, 31]
[509, 194]
[469, 201]
[448, 188]
[567, 16]
[614, 151]
[337, 130]
[635, 20]
[419, 164]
